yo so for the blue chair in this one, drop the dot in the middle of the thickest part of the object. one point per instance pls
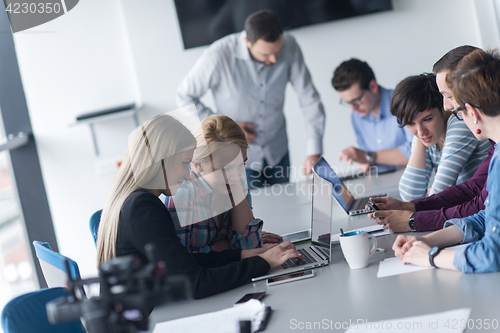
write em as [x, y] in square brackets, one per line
[53, 267]
[95, 219]
[26, 313]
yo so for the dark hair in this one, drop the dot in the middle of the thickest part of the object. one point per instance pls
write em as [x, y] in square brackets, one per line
[475, 81]
[413, 95]
[350, 72]
[263, 25]
[450, 60]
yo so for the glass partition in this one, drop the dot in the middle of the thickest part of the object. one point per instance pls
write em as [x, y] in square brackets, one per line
[17, 272]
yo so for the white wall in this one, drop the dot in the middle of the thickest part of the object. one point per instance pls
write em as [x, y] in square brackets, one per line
[89, 59]
[405, 41]
[75, 64]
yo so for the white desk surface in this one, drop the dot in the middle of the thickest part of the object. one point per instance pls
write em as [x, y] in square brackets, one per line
[287, 208]
[341, 295]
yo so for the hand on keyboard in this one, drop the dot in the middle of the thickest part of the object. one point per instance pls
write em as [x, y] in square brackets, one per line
[281, 253]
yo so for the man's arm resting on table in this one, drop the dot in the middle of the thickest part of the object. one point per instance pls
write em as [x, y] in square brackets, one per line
[444, 237]
[417, 249]
[445, 260]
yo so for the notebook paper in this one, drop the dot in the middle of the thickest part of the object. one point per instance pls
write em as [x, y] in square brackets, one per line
[394, 266]
[224, 321]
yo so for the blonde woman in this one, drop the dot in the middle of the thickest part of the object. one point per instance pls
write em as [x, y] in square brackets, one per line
[213, 211]
[157, 162]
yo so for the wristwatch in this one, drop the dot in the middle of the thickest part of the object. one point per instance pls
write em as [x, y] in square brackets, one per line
[370, 157]
[411, 222]
[432, 254]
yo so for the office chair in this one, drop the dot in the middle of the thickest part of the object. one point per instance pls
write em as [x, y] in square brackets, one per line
[26, 313]
[95, 219]
[53, 268]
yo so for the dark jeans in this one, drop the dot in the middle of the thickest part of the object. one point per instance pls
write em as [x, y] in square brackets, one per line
[269, 175]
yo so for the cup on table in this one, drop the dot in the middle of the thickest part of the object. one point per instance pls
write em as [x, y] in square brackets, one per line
[356, 248]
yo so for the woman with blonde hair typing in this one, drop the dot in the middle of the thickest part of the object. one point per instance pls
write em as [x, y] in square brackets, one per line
[157, 162]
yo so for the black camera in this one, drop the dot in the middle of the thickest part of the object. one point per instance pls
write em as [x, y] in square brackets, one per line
[129, 290]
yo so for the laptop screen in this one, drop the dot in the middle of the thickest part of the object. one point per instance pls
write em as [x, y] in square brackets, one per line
[340, 192]
[321, 226]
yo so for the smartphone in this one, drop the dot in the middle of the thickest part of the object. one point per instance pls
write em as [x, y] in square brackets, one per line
[290, 277]
[248, 297]
[372, 205]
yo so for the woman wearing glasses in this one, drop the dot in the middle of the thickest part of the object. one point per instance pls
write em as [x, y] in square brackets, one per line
[476, 88]
[443, 144]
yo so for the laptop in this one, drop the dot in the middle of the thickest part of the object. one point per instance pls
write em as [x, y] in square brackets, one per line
[374, 170]
[316, 252]
[351, 205]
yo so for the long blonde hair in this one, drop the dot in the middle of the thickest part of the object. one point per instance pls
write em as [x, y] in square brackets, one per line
[213, 129]
[149, 154]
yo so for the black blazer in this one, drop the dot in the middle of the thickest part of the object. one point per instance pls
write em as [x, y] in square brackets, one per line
[144, 219]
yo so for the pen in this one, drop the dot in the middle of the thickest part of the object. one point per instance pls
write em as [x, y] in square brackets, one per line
[375, 231]
[267, 316]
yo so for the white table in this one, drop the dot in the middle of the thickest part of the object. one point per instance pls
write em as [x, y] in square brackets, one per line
[341, 295]
[287, 208]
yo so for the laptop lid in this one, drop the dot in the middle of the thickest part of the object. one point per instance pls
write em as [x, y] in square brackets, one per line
[321, 230]
[321, 220]
[339, 190]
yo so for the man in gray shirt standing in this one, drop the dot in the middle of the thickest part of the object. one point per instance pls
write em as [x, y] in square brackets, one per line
[247, 73]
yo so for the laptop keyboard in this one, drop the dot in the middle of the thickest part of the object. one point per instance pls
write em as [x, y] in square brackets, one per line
[294, 262]
[325, 252]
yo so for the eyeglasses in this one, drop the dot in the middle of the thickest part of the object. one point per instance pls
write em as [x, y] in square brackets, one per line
[458, 112]
[355, 102]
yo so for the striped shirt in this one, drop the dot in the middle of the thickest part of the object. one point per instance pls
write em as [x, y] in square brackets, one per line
[198, 227]
[455, 163]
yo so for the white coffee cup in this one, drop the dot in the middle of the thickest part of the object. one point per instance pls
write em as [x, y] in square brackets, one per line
[355, 246]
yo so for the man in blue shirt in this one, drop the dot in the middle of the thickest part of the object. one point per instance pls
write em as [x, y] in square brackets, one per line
[381, 142]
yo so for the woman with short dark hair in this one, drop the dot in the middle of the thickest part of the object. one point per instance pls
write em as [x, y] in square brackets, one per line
[443, 144]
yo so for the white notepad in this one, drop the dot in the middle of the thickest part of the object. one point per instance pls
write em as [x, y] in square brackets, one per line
[224, 321]
[394, 266]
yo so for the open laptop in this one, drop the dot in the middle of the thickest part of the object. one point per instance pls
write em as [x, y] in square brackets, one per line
[351, 205]
[373, 171]
[317, 252]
